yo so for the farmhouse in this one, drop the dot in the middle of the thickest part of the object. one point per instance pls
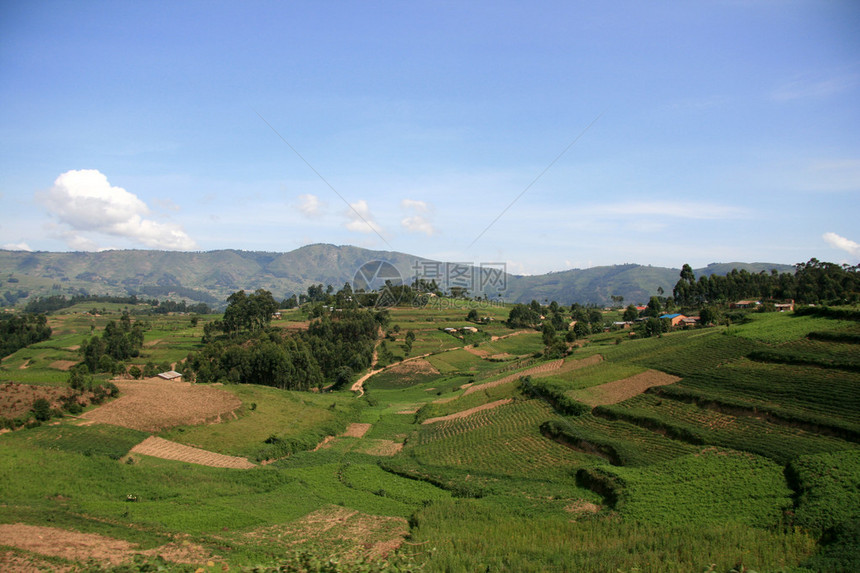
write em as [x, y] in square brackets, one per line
[170, 375]
[675, 318]
[469, 329]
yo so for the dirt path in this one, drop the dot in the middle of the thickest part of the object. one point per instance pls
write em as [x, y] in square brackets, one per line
[470, 411]
[76, 546]
[620, 390]
[167, 450]
[533, 371]
[358, 386]
[539, 371]
[154, 404]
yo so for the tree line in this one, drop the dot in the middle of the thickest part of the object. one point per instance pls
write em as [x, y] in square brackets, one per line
[58, 302]
[243, 348]
[19, 331]
[813, 282]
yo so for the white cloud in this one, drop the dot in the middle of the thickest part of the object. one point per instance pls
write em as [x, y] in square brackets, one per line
[85, 201]
[360, 219]
[22, 246]
[417, 223]
[310, 205]
[847, 245]
[419, 206]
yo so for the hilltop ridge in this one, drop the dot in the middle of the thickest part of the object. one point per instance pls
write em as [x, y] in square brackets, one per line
[210, 276]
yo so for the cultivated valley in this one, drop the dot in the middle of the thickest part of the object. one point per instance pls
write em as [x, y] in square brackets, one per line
[436, 434]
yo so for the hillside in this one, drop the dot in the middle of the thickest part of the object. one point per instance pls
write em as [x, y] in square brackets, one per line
[212, 276]
[718, 449]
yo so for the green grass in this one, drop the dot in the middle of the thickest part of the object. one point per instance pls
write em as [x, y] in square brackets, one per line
[519, 345]
[617, 441]
[505, 441]
[97, 440]
[689, 422]
[779, 327]
[829, 489]
[301, 416]
[680, 506]
[713, 486]
[595, 375]
[475, 535]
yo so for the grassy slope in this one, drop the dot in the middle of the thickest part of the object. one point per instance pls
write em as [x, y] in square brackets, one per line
[682, 506]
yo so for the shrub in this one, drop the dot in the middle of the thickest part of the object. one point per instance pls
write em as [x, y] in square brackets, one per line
[42, 409]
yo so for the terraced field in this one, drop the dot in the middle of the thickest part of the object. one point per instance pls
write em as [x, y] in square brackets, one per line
[504, 440]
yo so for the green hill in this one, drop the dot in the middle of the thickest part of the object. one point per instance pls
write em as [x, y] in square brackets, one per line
[212, 276]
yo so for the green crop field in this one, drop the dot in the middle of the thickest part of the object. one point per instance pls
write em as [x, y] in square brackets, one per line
[749, 463]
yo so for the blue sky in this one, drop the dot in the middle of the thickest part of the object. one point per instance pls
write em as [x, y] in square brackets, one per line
[704, 131]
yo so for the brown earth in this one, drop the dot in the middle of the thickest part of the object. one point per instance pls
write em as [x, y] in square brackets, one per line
[341, 531]
[476, 351]
[154, 404]
[167, 450]
[76, 546]
[17, 399]
[620, 390]
[541, 370]
[410, 368]
[15, 562]
[378, 447]
[357, 430]
[582, 506]
[533, 371]
[464, 413]
[62, 364]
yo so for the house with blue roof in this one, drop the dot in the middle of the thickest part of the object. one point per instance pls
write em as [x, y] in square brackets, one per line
[675, 318]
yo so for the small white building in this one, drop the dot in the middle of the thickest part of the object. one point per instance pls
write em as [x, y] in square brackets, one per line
[170, 375]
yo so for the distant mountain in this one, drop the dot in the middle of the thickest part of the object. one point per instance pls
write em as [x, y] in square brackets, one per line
[212, 276]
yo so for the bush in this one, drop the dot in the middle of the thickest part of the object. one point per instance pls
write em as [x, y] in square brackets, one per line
[42, 409]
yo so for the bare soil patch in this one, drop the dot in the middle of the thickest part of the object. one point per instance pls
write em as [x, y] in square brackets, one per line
[15, 562]
[167, 450]
[25, 365]
[464, 413]
[154, 404]
[542, 368]
[479, 352]
[357, 430]
[620, 390]
[17, 399]
[62, 364]
[582, 506]
[76, 546]
[379, 447]
[411, 368]
[572, 365]
[340, 530]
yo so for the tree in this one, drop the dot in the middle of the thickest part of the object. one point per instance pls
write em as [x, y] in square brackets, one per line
[472, 316]
[249, 312]
[655, 307]
[522, 316]
[617, 299]
[410, 338]
[548, 333]
[630, 313]
[42, 409]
